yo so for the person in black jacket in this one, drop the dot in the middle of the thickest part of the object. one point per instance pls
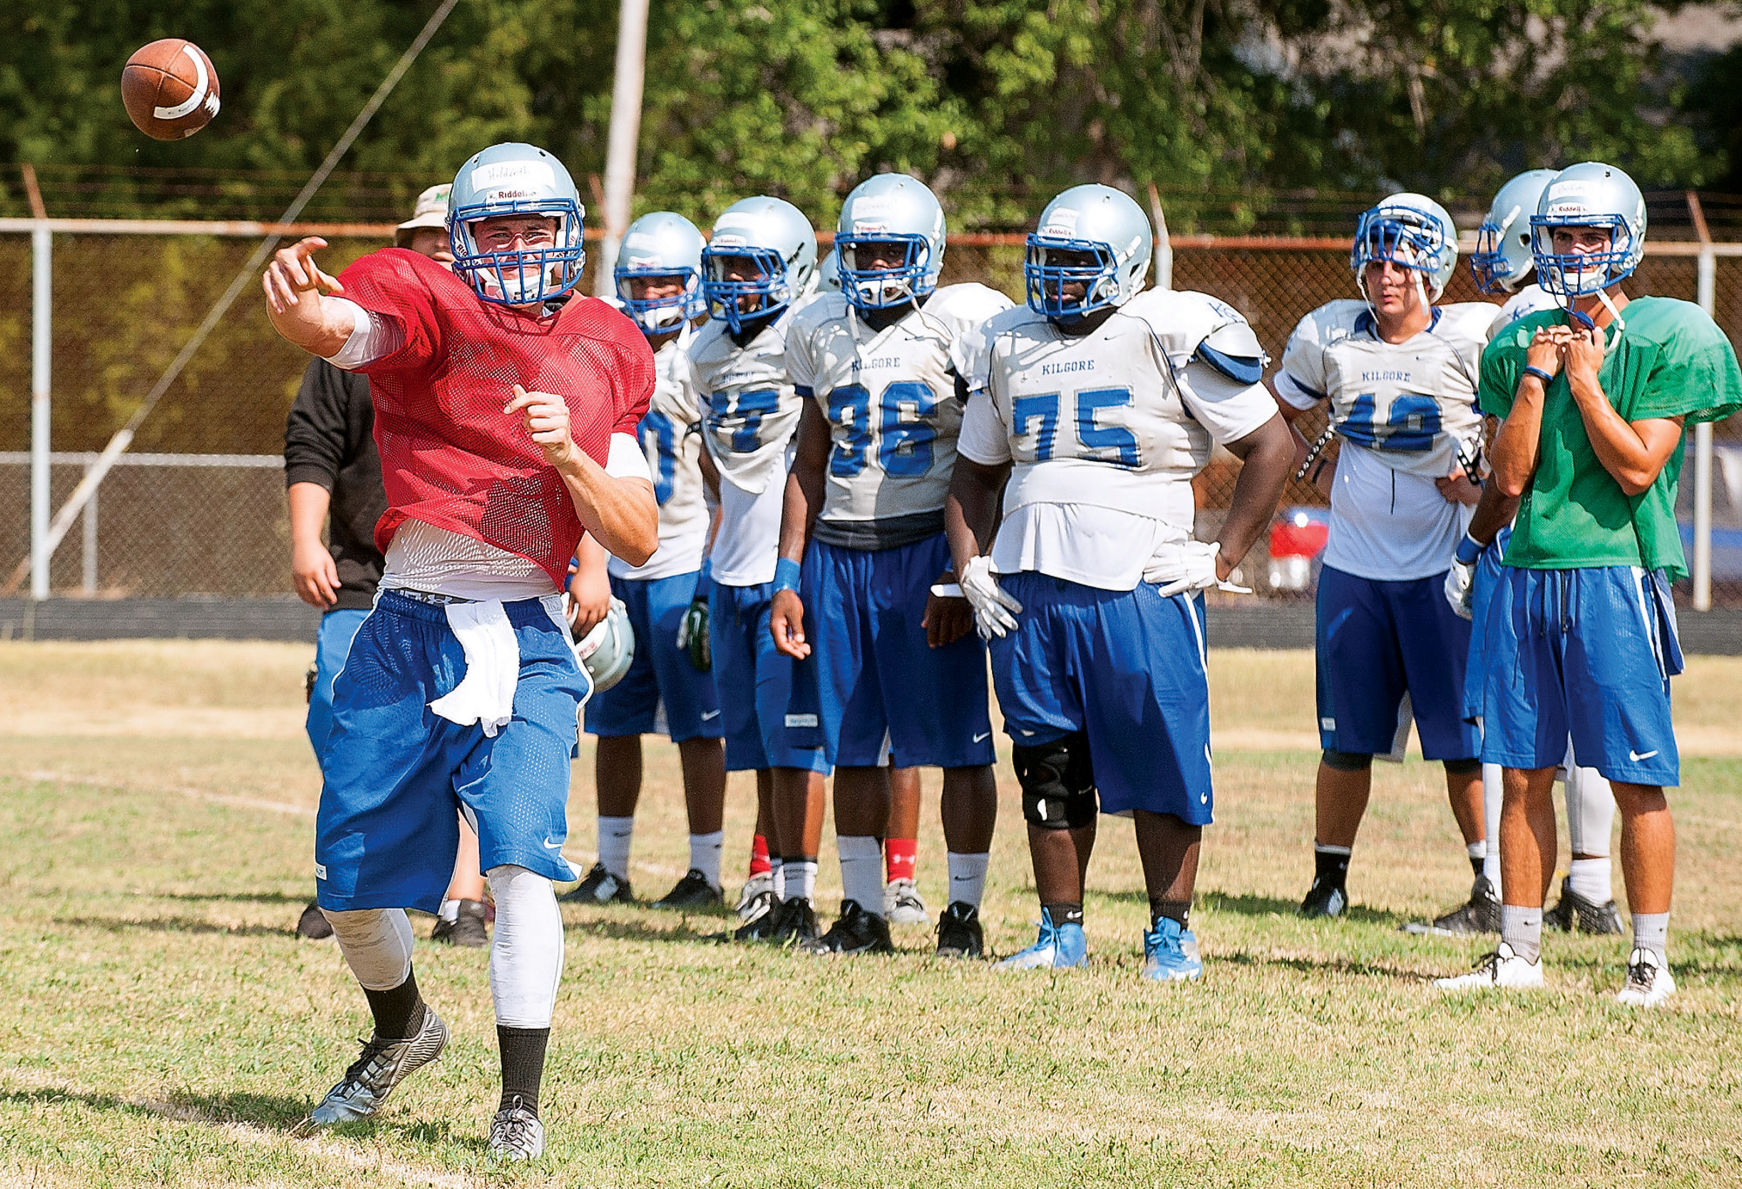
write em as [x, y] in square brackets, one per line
[333, 477]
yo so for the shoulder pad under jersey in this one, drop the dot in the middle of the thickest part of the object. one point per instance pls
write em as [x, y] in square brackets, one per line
[1191, 325]
[966, 303]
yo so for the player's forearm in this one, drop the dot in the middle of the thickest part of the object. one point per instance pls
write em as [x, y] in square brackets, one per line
[1267, 457]
[309, 503]
[621, 514]
[798, 511]
[1494, 511]
[318, 324]
[1620, 447]
[971, 509]
[1518, 442]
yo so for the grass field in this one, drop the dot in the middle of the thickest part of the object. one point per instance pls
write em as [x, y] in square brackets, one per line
[162, 1026]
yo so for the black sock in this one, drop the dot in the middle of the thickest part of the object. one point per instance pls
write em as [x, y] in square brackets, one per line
[399, 1011]
[1175, 910]
[1332, 865]
[1476, 866]
[1065, 913]
[522, 1064]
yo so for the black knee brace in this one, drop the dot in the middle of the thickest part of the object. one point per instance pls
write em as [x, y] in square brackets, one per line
[1346, 761]
[1058, 783]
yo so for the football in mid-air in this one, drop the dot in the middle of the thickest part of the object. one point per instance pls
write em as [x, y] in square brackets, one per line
[170, 89]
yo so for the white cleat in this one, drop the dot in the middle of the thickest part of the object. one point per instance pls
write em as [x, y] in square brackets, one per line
[902, 904]
[1501, 970]
[756, 897]
[516, 1134]
[1648, 984]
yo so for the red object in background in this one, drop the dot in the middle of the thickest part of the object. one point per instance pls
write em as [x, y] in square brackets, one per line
[1300, 532]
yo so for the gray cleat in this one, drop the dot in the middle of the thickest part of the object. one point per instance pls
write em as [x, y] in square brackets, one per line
[382, 1065]
[516, 1134]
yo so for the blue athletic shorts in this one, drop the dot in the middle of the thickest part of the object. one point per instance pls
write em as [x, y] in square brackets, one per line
[1587, 653]
[1377, 641]
[661, 674]
[1482, 585]
[332, 643]
[1128, 668]
[386, 830]
[871, 678]
[754, 683]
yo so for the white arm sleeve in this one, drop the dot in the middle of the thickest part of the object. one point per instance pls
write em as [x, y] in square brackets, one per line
[625, 460]
[364, 343]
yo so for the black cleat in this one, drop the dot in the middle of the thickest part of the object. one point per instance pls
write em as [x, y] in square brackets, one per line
[313, 924]
[797, 925]
[1480, 915]
[1574, 912]
[466, 930]
[855, 931]
[600, 887]
[959, 932]
[1324, 899]
[692, 891]
[764, 926]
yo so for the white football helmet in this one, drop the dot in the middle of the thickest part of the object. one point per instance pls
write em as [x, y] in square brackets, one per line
[772, 235]
[661, 244]
[891, 208]
[607, 651]
[1410, 230]
[516, 179]
[1502, 259]
[829, 272]
[1098, 220]
[1590, 194]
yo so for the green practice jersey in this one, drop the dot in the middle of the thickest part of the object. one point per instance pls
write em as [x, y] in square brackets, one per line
[1670, 360]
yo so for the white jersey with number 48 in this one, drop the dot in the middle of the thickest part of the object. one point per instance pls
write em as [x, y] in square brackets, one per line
[673, 453]
[889, 396]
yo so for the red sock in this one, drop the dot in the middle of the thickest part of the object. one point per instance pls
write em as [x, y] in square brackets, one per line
[759, 864]
[900, 857]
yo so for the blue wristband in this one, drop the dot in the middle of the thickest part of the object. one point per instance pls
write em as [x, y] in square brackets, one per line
[1533, 370]
[1469, 550]
[785, 575]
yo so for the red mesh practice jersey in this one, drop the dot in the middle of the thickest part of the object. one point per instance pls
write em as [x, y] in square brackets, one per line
[449, 456]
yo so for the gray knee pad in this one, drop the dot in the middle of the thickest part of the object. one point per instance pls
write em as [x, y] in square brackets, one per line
[1058, 783]
[1347, 761]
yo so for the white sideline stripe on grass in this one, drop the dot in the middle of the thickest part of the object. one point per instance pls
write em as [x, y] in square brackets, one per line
[184, 790]
[370, 1160]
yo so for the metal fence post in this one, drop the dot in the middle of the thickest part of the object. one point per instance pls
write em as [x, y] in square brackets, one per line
[41, 344]
[1703, 460]
[89, 585]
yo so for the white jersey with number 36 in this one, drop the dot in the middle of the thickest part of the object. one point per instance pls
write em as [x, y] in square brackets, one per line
[889, 396]
[1104, 431]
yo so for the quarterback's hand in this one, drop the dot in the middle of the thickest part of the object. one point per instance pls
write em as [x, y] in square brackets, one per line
[314, 574]
[546, 421]
[293, 272]
[947, 618]
[1194, 566]
[994, 611]
[786, 624]
[1584, 358]
[589, 599]
[692, 636]
[1459, 581]
[1545, 349]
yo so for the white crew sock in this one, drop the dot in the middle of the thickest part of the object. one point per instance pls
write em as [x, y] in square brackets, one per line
[777, 877]
[705, 851]
[449, 911]
[526, 952]
[1651, 932]
[1592, 879]
[862, 870]
[799, 880]
[1520, 928]
[615, 835]
[967, 877]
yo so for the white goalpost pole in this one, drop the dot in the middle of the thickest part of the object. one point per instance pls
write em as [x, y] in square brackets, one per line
[624, 134]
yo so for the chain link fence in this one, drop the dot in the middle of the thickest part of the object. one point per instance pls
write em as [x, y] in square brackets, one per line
[198, 506]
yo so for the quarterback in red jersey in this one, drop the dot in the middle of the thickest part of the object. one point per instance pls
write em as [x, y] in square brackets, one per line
[505, 413]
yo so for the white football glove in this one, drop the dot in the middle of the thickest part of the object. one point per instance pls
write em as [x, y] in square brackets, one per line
[1191, 568]
[1458, 587]
[994, 611]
